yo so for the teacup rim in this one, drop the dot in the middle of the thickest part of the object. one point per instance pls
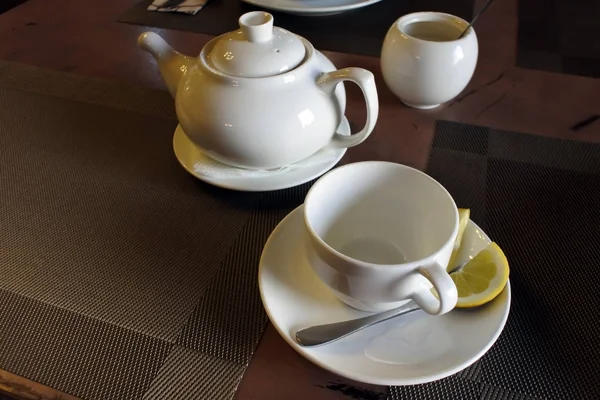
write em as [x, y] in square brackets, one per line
[369, 265]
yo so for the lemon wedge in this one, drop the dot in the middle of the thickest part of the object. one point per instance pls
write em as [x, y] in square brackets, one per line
[481, 279]
[463, 219]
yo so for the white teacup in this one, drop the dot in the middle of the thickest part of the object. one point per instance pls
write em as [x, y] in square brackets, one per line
[380, 234]
[422, 60]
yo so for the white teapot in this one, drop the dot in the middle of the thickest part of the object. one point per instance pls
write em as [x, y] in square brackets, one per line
[260, 97]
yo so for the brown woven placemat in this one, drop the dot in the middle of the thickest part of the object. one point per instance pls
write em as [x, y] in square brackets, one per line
[360, 31]
[539, 199]
[121, 276]
[7, 5]
[557, 36]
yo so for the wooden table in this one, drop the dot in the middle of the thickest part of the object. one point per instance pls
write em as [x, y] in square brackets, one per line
[85, 38]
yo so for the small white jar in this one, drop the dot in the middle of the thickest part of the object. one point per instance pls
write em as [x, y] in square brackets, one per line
[424, 63]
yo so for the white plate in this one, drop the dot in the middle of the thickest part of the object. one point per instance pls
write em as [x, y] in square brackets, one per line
[312, 8]
[411, 349]
[190, 156]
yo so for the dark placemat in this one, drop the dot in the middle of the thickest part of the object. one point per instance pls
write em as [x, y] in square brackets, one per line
[539, 199]
[6, 5]
[360, 31]
[560, 36]
[121, 275]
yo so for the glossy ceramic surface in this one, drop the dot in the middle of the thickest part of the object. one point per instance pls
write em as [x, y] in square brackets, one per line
[381, 234]
[192, 159]
[422, 63]
[241, 112]
[257, 49]
[312, 7]
[412, 349]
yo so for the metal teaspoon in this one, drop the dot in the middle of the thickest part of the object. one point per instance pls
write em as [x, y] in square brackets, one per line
[322, 334]
[485, 6]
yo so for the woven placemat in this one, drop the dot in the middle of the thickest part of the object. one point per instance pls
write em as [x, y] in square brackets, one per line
[555, 36]
[360, 31]
[7, 5]
[121, 276]
[539, 199]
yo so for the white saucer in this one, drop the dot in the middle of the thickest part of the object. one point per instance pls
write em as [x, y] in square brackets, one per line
[312, 8]
[411, 349]
[194, 161]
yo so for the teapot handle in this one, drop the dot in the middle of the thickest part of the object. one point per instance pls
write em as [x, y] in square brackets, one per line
[366, 82]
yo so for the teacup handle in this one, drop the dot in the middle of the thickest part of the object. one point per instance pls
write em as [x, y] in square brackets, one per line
[366, 82]
[443, 285]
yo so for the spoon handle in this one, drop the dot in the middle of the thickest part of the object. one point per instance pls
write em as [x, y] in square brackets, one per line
[485, 6]
[323, 334]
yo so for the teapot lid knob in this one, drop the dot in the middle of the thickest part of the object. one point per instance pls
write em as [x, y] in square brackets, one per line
[258, 49]
[257, 26]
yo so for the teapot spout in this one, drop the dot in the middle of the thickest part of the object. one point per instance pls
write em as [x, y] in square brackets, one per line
[172, 65]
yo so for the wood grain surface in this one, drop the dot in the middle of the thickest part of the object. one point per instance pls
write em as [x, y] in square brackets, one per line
[14, 386]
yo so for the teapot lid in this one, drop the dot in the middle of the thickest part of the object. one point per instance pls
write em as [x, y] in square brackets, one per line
[257, 49]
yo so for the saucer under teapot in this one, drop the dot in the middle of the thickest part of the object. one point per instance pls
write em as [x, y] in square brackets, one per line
[261, 97]
[214, 173]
